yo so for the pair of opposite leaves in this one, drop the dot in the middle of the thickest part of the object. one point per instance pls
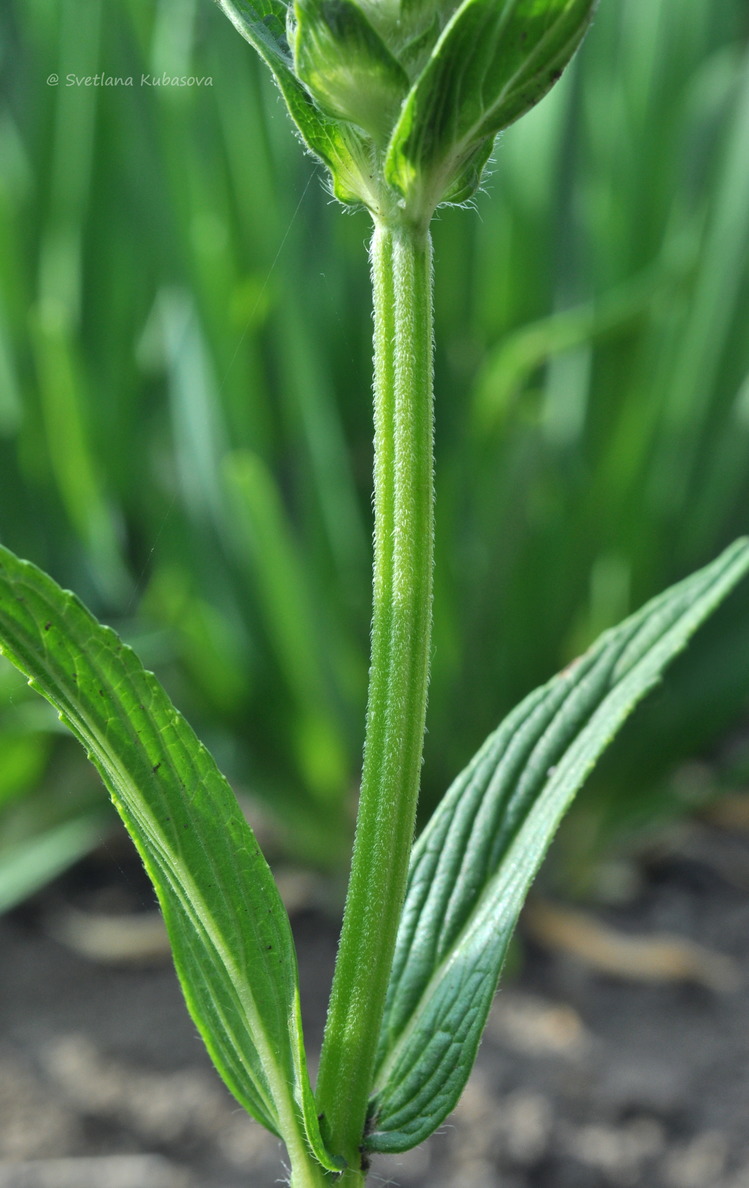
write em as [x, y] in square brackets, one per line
[469, 874]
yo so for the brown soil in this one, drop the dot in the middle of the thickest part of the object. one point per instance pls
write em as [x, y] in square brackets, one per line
[584, 1080]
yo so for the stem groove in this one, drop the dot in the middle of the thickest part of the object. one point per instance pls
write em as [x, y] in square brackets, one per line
[401, 631]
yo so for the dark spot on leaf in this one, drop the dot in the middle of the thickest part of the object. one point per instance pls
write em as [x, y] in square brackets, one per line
[269, 947]
[156, 767]
[47, 626]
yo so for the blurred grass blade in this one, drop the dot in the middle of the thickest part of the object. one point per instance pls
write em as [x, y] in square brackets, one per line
[62, 384]
[719, 282]
[31, 863]
[266, 537]
[307, 385]
[472, 867]
[509, 367]
[10, 389]
[229, 930]
[199, 432]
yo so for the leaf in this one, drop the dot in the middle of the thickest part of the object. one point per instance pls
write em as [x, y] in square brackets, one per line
[473, 865]
[346, 65]
[492, 63]
[263, 24]
[229, 930]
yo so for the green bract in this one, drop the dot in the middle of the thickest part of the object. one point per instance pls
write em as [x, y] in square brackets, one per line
[402, 99]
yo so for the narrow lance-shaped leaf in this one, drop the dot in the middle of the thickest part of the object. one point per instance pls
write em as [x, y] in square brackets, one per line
[473, 865]
[229, 930]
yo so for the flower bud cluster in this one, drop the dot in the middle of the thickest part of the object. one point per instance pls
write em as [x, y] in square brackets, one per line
[402, 99]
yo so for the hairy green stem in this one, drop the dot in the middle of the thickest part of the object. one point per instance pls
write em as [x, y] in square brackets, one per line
[399, 672]
[306, 1172]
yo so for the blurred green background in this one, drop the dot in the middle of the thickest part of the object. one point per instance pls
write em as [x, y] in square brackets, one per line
[185, 432]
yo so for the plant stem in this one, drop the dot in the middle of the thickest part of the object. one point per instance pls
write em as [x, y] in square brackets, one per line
[398, 678]
[306, 1172]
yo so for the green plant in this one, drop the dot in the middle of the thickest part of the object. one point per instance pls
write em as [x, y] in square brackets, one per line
[403, 109]
[592, 320]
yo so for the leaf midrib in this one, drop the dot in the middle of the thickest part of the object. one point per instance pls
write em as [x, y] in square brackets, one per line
[575, 752]
[182, 885]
